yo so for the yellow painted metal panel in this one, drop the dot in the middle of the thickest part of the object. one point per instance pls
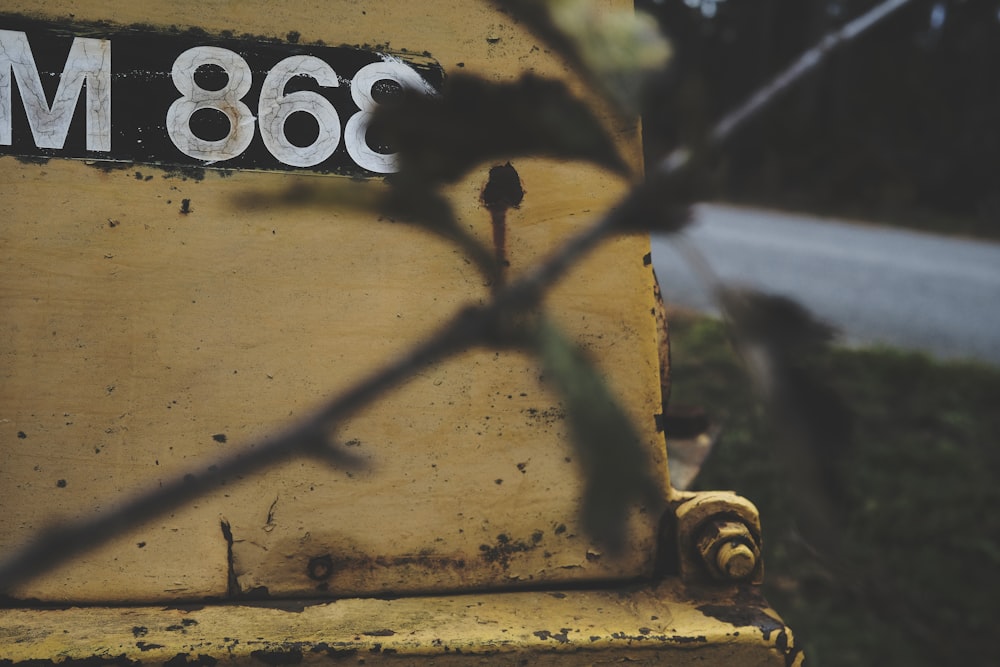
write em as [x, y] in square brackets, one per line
[152, 324]
[664, 625]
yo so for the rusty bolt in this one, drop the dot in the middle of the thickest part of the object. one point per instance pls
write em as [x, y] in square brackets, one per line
[736, 559]
[320, 567]
[728, 550]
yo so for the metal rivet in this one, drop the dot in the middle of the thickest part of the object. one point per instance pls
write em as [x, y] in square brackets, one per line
[320, 568]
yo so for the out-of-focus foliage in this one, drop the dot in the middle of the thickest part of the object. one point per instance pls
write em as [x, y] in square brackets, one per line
[473, 120]
[439, 138]
[914, 582]
[900, 126]
[618, 50]
[610, 451]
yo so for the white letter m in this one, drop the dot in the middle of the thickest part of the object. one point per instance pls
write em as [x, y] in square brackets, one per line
[88, 60]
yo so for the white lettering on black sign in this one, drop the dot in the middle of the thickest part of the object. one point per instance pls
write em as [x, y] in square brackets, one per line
[191, 100]
[89, 60]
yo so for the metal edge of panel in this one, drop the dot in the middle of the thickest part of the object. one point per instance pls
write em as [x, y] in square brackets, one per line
[646, 624]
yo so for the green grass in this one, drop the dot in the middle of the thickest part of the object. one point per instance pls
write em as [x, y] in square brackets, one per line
[916, 576]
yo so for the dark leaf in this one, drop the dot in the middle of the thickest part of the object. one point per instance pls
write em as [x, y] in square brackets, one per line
[616, 49]
[775, 321]
[440, 137]
[615, 466]
[651, 209]
[779, 339]
[433, 212]
[538, 18]
[421, 207]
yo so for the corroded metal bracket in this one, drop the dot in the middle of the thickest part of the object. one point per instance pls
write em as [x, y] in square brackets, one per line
[718, 538]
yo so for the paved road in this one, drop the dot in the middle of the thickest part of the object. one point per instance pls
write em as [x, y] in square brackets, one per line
[876, 285]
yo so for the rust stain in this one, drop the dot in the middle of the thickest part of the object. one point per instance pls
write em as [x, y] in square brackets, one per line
[502, 192]
[501, 552]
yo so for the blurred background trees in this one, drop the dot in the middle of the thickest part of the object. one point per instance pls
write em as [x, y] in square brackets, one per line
[900, 127]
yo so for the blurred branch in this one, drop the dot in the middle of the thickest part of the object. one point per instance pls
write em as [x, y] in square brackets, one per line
[470, 327]
[65, 542]
[647, 206]
[766, 94]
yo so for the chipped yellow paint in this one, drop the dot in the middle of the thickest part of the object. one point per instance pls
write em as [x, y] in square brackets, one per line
[146, 337]
[663, 625]
[153, 325]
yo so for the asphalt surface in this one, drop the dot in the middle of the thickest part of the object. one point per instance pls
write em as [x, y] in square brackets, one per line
[875, 285]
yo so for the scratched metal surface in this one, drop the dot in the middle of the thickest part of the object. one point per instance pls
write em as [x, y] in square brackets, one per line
[151, 326]
[666, 624]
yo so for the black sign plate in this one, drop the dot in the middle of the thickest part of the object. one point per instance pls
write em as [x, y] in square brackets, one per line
[192, 99]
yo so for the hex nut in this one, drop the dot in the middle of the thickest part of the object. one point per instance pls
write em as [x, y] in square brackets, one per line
[728, 550]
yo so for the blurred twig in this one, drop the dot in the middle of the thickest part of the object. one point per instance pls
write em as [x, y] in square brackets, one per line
[804, 64]
[766, 94]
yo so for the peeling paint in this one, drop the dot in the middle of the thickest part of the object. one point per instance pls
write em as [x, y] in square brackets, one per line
[143, 646]
[744, 616]
[501, 552]
[232, 582]
[562, 636]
